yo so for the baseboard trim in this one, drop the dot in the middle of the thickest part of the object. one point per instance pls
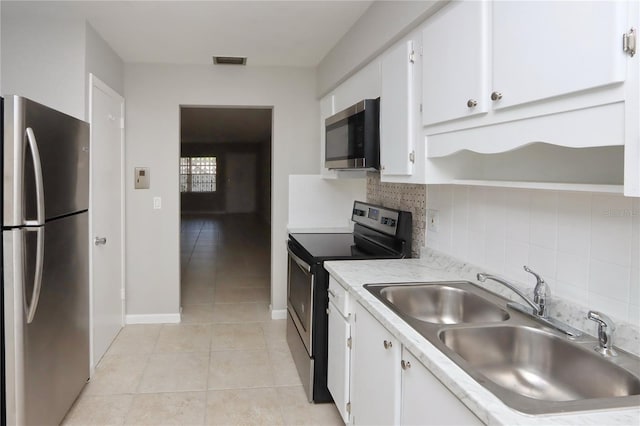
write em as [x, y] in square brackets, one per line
[278, 314]
[153, 319]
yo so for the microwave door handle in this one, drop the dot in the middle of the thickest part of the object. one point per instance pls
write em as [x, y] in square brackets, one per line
[37, 172]
[32, 306]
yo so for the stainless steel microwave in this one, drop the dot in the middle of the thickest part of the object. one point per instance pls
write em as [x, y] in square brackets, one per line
[353, 137]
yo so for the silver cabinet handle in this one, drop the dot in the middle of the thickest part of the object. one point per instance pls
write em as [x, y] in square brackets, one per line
[496, 96]
[37, 275]
[387, 344]
[405, 364]
[100, 241]
[37, 172]
[472, 103]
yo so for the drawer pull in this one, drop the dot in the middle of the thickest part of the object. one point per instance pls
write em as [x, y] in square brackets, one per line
[387, 344]
[405, 364]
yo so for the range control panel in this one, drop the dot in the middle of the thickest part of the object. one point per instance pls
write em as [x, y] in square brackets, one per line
[376, 217]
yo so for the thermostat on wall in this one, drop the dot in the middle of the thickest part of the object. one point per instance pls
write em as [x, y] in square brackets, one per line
[141, 178]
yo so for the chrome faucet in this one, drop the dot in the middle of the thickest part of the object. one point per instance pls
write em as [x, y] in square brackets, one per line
[606, 328]
[541, 293]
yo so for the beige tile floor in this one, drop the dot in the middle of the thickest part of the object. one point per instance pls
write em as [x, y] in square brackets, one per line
[227, 363]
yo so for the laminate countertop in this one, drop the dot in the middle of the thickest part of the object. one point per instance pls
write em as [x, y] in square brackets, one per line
[434, 266]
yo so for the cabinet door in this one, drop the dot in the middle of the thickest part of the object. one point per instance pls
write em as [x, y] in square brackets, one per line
[339, 359]
[545, 49]
[425, 401]
[454, 63]
[365, 84]
[396, 110]
[375, 395]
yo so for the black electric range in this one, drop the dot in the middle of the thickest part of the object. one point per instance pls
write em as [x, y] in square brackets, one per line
[379, 233]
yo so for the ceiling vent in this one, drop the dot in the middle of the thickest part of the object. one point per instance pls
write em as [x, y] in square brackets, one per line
[229, 60]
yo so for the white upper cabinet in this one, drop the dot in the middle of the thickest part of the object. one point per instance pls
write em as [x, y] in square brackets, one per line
[546, 49]
[397, 111]
[365, 84]
[454, 63]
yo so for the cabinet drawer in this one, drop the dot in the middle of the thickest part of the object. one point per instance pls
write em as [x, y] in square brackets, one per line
[339, 296]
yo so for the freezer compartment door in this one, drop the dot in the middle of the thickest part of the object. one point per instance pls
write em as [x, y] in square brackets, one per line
[34, 133]
[54, 346]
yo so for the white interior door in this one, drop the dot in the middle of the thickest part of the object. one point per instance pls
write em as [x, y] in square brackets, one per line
[241, 182]
[107, 207]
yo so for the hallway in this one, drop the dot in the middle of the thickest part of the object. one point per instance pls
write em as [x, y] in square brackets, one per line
[226, 363]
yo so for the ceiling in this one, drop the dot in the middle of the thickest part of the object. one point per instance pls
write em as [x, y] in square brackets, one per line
[224, 125]
[269, 33]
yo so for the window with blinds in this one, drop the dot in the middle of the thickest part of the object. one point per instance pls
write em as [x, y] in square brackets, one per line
[198, 174]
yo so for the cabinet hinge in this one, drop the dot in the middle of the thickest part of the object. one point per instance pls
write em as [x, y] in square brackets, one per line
[412, 156]
[349, 407]
[629, 42]
[420, 107]
[412, 57]
[349, 342]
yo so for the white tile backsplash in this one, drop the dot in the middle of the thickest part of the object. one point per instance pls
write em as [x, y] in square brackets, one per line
[517, 214]
[574, 224]
[611, 229]
[586, 245]
[609, 280]
[544, 219]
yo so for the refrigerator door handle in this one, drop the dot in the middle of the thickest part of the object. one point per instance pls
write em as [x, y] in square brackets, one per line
[37, 276]
[37, 171]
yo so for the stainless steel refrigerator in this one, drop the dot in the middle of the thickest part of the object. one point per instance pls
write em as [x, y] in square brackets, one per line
[45, 266]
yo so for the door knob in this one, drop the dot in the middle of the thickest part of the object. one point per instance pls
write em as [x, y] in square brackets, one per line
[100, 241]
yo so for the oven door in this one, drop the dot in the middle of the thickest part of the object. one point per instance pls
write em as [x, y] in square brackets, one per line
[300, 286]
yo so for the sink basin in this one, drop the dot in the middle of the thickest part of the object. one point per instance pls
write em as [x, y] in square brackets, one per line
[537, 364]
[442, 304]
[530, 367]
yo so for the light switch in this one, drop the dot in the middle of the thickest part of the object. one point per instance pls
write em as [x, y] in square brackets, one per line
[157, 203]
[141, 175]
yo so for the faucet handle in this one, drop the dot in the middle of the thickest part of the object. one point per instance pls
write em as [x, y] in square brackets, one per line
[606, 328]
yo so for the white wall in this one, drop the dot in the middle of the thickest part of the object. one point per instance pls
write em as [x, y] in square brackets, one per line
[154, 95]
[379, 27]
[1, 92]
[49, 59]
[103, 61]
[586, 245]
[43, 59]
[316, 202]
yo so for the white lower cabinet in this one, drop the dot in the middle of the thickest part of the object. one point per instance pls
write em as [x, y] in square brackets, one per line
[425, 401]
[375, 393]
[374, 380]
[339, 353]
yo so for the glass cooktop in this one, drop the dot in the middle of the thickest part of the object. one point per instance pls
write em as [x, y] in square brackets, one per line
[336, 246]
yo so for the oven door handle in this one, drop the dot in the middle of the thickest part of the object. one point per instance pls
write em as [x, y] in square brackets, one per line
[304, 265]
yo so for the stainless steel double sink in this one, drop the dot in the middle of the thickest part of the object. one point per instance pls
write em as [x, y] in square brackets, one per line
[532, 368]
